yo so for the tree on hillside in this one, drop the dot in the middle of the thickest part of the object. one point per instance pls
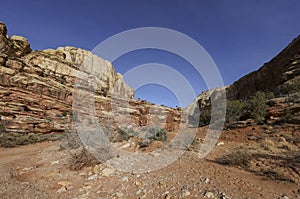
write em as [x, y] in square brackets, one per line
[234, 110]
[257, 106]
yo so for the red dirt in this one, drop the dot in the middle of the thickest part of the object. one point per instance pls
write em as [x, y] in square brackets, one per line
[41, 171]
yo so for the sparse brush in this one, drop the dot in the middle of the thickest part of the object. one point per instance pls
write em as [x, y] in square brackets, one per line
[2, 129]
[286, 146]
[83, 155]
[267, 144]
[9, 139]
[276, 174]
[293, 139]
[236, 158]
[156, 133]
[82, 158]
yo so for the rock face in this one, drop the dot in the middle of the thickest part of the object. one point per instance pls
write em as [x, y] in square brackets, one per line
[15, 46]
[4, 47]
[282, 70]
[37, 90]
[202, 103]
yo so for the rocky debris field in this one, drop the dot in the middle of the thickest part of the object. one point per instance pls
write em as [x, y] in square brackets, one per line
[43, 171]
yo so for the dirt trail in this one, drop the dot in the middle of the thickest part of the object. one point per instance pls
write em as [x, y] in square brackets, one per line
[11, 154]
[41, 171]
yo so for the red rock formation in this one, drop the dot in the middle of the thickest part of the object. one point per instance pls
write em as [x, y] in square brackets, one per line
[37, 90]
[282, 68]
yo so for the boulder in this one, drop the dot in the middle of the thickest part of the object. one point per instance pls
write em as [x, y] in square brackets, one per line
[20, 45]
[4, 44]
[15, 46]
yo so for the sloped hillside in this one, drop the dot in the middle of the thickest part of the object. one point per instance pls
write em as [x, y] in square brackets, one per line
[280, 77]
[282, 69]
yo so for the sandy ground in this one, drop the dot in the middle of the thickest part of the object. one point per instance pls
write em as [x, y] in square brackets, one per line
[41, 171]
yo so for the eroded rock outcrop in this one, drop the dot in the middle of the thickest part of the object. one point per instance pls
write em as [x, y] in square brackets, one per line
[37, 90]
[283, 68]
[281, 71]
[15, 46]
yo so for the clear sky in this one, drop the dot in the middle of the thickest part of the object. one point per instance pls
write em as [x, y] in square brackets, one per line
[240, 36]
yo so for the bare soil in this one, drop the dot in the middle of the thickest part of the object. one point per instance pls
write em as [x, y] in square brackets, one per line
[42, 171]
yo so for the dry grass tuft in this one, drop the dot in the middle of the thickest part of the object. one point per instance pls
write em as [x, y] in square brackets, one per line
[267, 144]
[239, 157]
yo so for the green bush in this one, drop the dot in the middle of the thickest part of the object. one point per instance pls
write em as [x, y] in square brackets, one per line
[287, 89]
[64, 113]
[121, 134]
[257, 106]
[205, 117]
[156, 133]
[9, 139]
[295, 97]
[129, 131]
[2, 129]
[287, 115]
[234, 110]
[83, 158]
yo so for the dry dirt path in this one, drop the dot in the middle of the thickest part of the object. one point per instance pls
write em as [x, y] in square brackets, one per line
[41, 171]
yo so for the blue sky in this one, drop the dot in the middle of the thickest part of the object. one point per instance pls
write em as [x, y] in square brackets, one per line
[240, 36]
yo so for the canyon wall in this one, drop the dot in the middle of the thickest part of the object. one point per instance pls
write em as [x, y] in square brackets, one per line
[37, 90]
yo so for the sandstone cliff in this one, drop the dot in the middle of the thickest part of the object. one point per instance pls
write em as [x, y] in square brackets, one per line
[37, 88]
[283, 69]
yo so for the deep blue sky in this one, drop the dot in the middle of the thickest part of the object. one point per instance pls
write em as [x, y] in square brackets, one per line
[239, 35]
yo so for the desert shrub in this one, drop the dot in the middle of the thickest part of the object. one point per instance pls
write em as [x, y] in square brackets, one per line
[2, 129]
[82, 158]
[234, 110]
[118, 136]
[9, 139]
[144, 143]
[275, 174]
[128, 131]
[64, 113]
[285, 146]
[295, 97]
[287, 115]
[121, 134]
[156, 133]
[269, 95]
[257, 107]
[205, 117]
[236, 158]
[293, 139]
[267, 144]
[287, 89]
